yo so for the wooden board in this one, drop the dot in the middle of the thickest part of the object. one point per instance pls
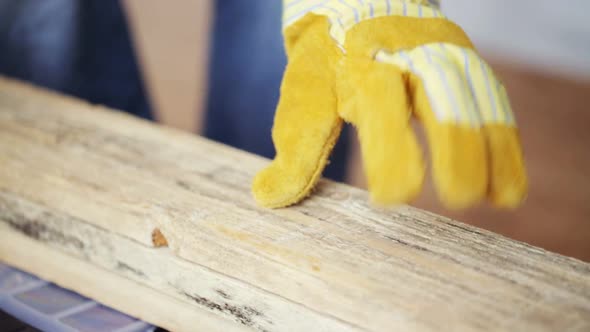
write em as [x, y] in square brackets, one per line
[112, 289]
[95, 185]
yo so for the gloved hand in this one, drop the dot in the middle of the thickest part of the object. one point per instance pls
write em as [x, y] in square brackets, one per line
[377, 64]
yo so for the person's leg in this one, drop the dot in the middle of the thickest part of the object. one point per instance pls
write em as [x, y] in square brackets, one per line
[246, 68]
[107, 68]
[38, 41]
[82, 48]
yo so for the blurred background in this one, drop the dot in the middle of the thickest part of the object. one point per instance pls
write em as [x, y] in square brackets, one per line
[213, 68]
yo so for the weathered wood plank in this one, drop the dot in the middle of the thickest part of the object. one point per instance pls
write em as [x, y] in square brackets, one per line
[119, 293]
[105, 181]
[159, 269]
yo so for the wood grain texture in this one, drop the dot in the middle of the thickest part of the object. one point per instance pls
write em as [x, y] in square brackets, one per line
[112, 290]
[93, 185]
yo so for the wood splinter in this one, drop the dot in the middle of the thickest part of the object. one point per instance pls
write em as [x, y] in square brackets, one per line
[158, 239]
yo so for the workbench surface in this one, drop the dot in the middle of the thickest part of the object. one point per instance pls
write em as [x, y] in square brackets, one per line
[162, 225]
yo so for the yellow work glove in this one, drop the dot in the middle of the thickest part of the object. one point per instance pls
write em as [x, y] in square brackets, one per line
[377, 64]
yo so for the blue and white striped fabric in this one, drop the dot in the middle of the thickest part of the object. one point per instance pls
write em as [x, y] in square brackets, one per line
[344, 14]
[460, 86]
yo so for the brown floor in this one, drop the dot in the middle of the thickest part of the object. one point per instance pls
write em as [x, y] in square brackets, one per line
[554, 119]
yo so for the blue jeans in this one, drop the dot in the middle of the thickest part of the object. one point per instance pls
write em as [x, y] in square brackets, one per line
[38, 41]
[84, 48]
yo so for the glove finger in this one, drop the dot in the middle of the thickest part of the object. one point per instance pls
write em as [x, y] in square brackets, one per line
[457, 143]
[508, 181]
[306, 124]
[374, 99]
